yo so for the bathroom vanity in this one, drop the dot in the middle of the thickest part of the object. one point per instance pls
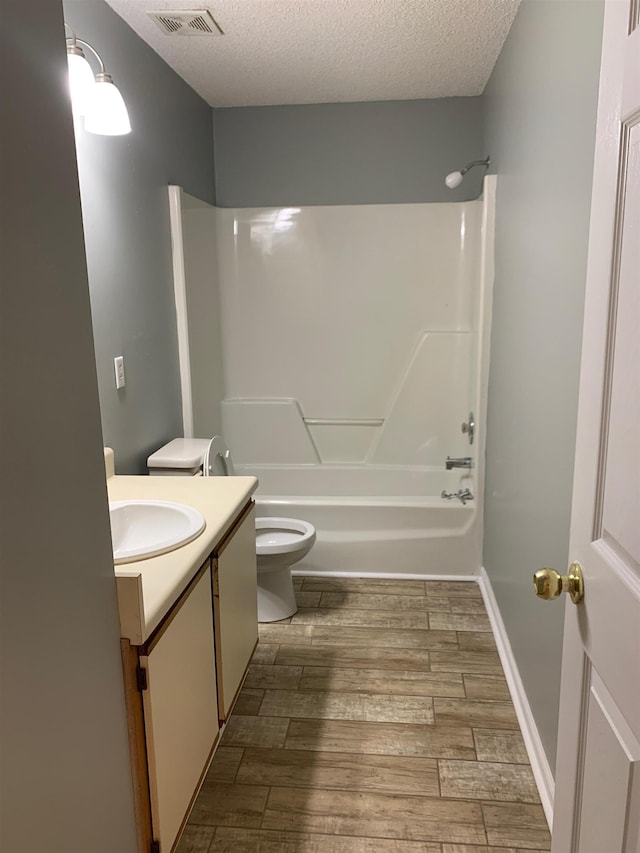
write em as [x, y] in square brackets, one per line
[188, 622]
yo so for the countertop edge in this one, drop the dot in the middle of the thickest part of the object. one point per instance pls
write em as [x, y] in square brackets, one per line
[161, 580]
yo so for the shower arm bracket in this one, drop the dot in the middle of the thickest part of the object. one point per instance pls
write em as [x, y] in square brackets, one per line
[486, 162]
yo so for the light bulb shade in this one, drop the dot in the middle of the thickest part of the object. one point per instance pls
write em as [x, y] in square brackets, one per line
[81, 82]
[107, 113]
[453, 180]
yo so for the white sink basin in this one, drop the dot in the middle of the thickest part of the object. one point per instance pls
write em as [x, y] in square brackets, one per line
[143, 529]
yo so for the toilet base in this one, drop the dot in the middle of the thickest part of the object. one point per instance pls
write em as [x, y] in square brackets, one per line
[276, 597]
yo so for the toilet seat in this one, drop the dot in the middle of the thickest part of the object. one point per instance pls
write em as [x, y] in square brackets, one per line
[217, 459]
[282, 535]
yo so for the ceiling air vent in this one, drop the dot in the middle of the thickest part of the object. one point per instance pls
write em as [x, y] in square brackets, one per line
[186, 22]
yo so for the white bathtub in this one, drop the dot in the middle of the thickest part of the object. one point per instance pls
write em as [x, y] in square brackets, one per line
[386, 519]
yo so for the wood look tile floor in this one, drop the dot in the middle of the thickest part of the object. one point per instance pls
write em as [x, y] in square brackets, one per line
[375, 720]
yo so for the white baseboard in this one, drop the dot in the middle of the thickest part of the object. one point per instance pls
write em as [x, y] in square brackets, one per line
[537, 756]
[390, 576]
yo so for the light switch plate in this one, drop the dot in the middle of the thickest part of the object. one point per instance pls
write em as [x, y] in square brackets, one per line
[118, 363]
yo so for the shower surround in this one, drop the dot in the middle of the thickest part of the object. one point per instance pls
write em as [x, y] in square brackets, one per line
[354, 344]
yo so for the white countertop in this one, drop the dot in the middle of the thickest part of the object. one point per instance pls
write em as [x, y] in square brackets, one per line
[148, 588]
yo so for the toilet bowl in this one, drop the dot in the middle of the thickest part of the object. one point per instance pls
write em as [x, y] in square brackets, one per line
[280, 542]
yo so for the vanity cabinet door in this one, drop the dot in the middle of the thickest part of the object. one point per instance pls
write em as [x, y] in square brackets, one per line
[180, 710]
[235, 608]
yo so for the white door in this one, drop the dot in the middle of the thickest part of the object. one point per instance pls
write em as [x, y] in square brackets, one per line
[597, 801]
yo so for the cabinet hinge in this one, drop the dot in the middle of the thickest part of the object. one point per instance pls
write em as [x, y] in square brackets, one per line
[216, 581]
[155, 847]
[141, 679]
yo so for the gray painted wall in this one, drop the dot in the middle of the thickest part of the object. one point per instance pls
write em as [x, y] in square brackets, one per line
[65, 784]
[363, 153]
[123, 182]
[540, 128]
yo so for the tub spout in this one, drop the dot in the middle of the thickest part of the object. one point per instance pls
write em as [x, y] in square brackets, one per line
[461, 462]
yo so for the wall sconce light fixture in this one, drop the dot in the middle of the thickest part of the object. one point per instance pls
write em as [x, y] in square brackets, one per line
[95, 98]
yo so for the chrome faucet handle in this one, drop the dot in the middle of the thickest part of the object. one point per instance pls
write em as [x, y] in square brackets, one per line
[463, 495]
[469, 427]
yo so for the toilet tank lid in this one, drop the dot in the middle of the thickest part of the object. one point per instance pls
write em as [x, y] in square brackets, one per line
[179, 453]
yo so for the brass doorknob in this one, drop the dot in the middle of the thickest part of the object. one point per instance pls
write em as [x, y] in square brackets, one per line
[549, 584]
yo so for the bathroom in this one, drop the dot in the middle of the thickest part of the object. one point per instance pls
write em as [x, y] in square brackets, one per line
[390, 152]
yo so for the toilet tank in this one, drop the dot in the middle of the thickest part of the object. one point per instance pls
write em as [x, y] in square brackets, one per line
[181, 457]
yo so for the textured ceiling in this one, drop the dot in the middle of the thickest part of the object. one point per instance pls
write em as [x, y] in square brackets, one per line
[314, 51]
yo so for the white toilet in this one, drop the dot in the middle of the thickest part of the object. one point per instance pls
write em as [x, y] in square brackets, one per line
[280, 542]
